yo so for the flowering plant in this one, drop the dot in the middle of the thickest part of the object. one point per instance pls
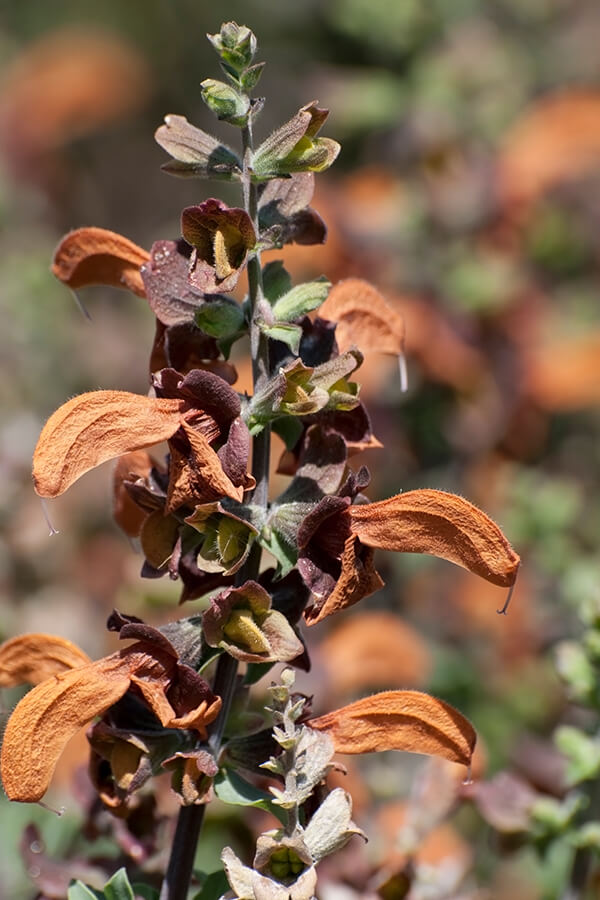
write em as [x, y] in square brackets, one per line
[168, 701]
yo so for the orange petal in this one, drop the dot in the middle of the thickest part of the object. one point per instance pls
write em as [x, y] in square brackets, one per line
[94, 427]
[444, 525]
[31, 658]
[400, 720]
[363, 318]
[50, 714]
[96, 256]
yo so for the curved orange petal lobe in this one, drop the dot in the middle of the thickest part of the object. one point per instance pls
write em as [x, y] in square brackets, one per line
[97, 256]
[31, 658]
[400, 720]
[444, 525]
[95, 427]
[50, 714]
[363, 318]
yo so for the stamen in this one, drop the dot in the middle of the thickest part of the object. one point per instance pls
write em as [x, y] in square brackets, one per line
[468, 779]
[502, 612]
[53, 530]
[79, 303]
[403, 373]
[57, 812]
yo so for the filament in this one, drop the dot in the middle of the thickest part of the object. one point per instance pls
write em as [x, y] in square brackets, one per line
[82, 308]
[57, 812]
[403, 372]
[53, 530]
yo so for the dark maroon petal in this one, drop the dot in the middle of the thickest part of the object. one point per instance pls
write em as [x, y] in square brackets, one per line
[210, 393]
[235, 452]
[171, 296]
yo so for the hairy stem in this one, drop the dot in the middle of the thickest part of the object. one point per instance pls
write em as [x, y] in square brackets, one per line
[189, 823]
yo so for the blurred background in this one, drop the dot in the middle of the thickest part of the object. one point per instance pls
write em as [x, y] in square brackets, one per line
[468, 191]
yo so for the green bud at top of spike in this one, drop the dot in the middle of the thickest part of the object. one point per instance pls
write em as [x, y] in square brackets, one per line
[235, 44]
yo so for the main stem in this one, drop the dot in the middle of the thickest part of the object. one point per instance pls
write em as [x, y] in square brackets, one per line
[189, 823]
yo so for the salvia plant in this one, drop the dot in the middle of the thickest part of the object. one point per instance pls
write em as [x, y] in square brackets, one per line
[173, 699]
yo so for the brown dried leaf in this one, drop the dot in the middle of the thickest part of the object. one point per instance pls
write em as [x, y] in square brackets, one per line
[97, 256]
[31, 658]
[442, 524]
[374, 650]
[400, 720]
[50, 714]
[363, 318]
[95, 427]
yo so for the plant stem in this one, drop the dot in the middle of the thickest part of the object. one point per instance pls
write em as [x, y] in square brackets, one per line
[189, 824]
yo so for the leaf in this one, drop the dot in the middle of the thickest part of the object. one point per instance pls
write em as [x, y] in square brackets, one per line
[31, 658]
[364, 318]
[80, 891]
[118, 888]
[300, 300]
[196, 153]
[215, 885]
[442, 524]
[97, 256]
[231, 788]
[144, 891]
[95, 427]
[400, 720]
[286, 333]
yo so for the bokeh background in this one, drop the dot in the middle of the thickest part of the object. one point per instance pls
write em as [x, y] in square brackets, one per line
[468, 191]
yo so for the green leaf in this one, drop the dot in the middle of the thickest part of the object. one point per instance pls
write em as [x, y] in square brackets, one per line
[276, 280]
[220, 318]
[214, 886]
[289, 429]
[249, 79]
[301, 299]
[286, 333]
[277, 545]
[145, 891]
[119, 888]
[80, 891]
[231, 788]
[225, 102]
[255, 672]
